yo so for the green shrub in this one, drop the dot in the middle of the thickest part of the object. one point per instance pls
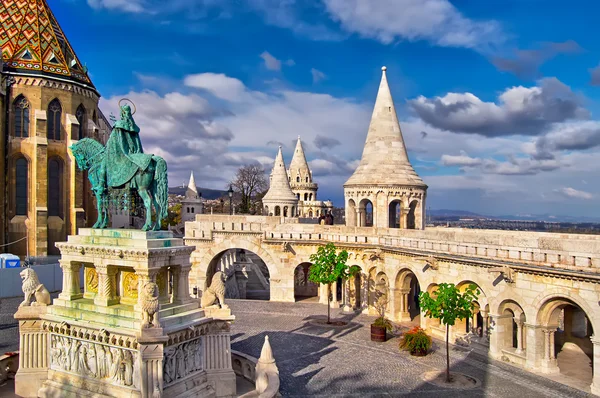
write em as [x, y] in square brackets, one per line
[383, 322]
[416, 341]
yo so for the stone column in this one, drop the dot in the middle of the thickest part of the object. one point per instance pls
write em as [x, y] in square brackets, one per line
[106, 286]
[34, 349]
[595, 387]
[549, 363]
[182, 293]
[474, 321]
[334, 300]
[535, 346]
[217, 363]
[501, 333]
[359, 220]
[404, 313]
[519, 335]
[486, 324]
[71, 289]
[152, 369]
[347, 304]
[404, 217]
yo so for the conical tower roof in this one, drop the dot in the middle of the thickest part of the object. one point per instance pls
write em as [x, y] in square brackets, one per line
[191, 192]
[384, 160]
[33, 42]
[279, 187]
[299, 165]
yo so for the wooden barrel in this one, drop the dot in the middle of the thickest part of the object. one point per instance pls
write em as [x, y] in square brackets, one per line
[378, 334]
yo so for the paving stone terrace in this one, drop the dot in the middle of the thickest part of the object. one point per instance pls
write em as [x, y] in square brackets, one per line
[343, 362]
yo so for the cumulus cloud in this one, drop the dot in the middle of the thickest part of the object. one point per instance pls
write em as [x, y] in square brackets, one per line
[218, 84]
[567, 137]
[512, 166]
[460, 160]
[526, 63]
[271, 62]
[519, 110]
[574, 193]
[595, 76]
[317, 75]
[326, 142]
[133, 6]
[436, 21]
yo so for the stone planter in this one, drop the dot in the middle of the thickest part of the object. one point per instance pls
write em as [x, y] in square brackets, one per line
[418, 353]
[378, 334]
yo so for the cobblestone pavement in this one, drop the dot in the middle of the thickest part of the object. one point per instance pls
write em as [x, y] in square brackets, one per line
[344, 362]
[317, 361]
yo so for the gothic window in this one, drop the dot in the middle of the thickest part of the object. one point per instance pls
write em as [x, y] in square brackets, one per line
[81, 118]
[55, 187]
[306, 179]
[305, 196]
[54, 117]
[21, 191]
[21, 111]
[192, 210]
[298, 179]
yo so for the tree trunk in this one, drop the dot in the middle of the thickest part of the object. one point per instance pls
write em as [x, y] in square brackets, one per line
[447, 354]
[328, 300]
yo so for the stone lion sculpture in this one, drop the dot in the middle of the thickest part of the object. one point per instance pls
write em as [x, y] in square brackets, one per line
[215, 292]
[150, 306]
[33, 288]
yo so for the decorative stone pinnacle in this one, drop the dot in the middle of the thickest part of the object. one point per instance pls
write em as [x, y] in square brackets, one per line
[384, 68]
[266, 354]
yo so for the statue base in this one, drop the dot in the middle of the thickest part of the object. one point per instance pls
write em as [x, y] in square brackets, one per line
[133, 332]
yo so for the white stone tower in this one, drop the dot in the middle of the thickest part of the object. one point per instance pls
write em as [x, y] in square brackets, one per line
[192, 204]
[300, 176]
[385, 191]
[280, 200]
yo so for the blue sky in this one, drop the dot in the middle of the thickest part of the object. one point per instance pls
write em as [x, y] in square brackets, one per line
[498, 100]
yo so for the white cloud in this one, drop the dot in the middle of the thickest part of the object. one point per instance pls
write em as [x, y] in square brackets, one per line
[436, 21]
[133, 6]
[317, 75]
[574, 193]
[271, 63]
[460, 160]
[218, 84]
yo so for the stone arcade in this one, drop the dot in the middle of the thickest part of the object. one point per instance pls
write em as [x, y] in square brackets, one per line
[539, 291]
[133, 332]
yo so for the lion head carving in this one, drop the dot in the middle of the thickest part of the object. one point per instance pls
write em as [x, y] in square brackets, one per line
[215, 292]
[149, 304]
[30, 280]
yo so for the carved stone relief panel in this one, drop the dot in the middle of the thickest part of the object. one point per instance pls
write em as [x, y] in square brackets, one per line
[103, 362]
[129, 286]
[182, 360]
[91, 280]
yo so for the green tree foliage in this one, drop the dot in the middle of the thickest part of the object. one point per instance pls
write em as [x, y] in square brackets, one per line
[173, 216]
[448, 304]
[327, 267]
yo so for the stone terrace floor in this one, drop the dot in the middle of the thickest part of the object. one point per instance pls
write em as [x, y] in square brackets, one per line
[344, 362]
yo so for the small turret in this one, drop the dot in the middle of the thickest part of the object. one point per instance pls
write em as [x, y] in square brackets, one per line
[280, 200]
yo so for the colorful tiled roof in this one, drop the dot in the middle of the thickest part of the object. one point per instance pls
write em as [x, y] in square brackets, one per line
[33, 42]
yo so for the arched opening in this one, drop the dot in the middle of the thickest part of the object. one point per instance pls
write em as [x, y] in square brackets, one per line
[21, 115]
[310, 213]
[365, 209]
[54, 116]
[303, 288]
[566, 332]
[354, 291]
[21, 186]
[277, 211]
[310, 197]
[306, 179]
[394, 214]
[351, 213]
[379, 292]
[285, 211]
[81, 116]
[475, 325]
[410, 217]
[298, 196]
[305, 197]
[247, 275]
[267, 210]
[192, 210]
[297, 178]
[406, 296]
[510, 329]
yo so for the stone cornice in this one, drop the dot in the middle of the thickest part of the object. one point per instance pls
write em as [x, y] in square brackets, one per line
[126, 254]
[90, 334]
[43, 82]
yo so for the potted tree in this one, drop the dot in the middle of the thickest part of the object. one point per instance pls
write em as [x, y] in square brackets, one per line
[381, 325]
[416, 341]
[327, 267]
[448, 304]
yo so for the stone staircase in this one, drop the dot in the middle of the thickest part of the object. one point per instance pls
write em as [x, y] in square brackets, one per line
[255, 289]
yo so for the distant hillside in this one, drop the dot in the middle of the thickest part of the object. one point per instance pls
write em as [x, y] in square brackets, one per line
[453, 213]
[205, 192]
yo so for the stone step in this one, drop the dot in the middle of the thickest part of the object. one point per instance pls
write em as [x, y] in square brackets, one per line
[113, 321]
[174, 309]
[257, 294]
[181, 318]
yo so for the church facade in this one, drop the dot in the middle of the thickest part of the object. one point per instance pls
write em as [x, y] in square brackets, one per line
[48, 102]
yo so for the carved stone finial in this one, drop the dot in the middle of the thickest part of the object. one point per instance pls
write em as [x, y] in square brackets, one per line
[32, 288]
[266, 354]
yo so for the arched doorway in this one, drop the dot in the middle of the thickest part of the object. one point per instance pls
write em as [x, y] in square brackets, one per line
[510, 329]
[247, 275]
[394, 214]
[566, 331]
[379, 292]
[410, 217]
[365, 209]
[351, 213]
[354, 291]
[303, 288]
[475, 325]
[406, 296]
[277, 211]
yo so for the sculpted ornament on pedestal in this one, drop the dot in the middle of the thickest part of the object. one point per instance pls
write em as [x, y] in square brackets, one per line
[150, 305]
[215, 292]
[33, 288]
[182, 360]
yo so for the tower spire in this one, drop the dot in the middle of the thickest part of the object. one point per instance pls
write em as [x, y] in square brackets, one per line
[191, 191]
[384, 159]
[299, 165]
[279, 187]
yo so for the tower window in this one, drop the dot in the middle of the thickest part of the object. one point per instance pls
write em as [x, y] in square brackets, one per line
[55, 188]
[21, 191]
[54, 118]
[21, 111]
[80, 115]
[297, 178]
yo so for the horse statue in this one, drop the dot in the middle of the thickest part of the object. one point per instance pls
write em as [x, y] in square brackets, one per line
[122, 164]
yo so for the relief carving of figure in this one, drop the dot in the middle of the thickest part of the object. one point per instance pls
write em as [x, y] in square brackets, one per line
[150, 306]
[33, 288]
[215, 292]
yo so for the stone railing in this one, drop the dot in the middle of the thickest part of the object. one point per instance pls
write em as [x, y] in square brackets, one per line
[263, 373]
[564, 251]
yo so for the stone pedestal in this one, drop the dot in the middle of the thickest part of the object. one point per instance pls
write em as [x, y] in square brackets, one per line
[134, 331]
